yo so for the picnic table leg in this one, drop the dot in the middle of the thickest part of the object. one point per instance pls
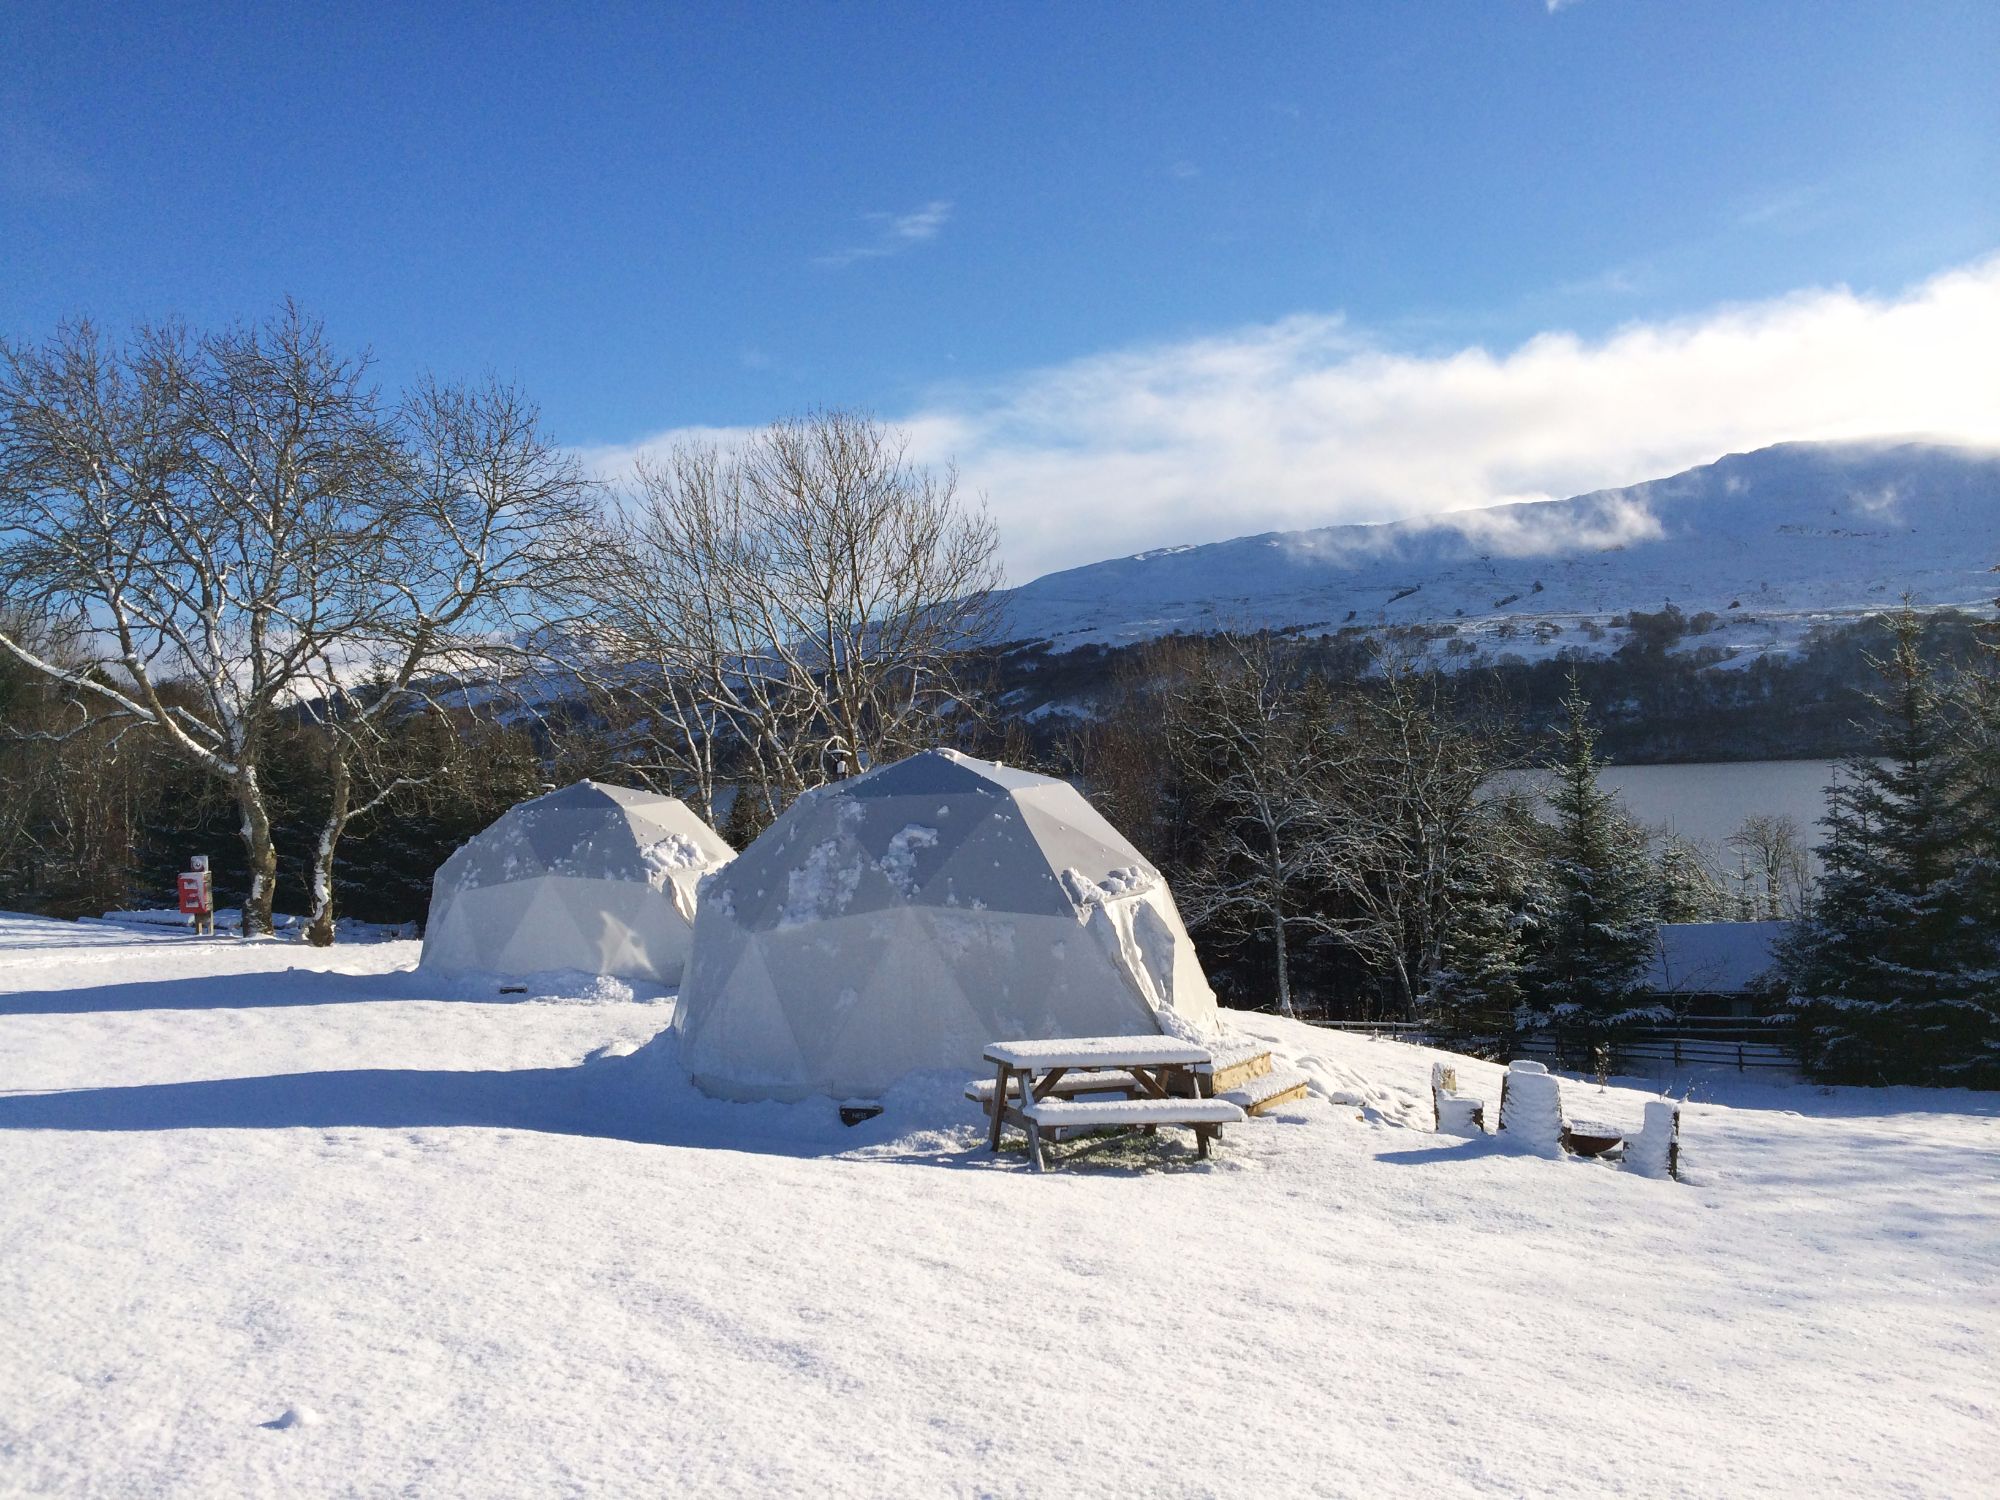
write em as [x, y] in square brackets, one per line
[1035, 1147]
[999, 1107]
[1201, 1134]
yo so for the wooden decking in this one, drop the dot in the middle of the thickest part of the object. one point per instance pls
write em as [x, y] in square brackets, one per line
[1244, 1074]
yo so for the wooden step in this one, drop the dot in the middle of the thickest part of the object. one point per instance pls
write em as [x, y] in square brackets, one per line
[1238, 1073]
[1269, 1090]
[1233, 1064]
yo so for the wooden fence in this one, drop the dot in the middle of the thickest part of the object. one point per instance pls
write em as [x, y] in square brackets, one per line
[1723, 1042]
[1694, 1042]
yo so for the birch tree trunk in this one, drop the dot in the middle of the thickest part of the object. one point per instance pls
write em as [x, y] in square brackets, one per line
[1283, 958]
[260, 855]
[340, 795]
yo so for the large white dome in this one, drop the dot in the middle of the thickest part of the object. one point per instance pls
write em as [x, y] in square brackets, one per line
[593, 877]
[911, 916]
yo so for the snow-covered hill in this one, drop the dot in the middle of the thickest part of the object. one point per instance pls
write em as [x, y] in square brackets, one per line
[1770, 541]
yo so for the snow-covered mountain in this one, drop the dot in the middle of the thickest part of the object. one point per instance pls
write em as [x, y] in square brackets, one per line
[1770, 542]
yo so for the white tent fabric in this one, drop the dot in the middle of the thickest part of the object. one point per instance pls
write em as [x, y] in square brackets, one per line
[593, 877]
[911, 916]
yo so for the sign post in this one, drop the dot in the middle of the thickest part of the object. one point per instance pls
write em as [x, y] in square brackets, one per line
[197, 895]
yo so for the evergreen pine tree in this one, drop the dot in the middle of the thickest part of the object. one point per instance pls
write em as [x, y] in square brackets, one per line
[1688, 890]
[748, 816]
[1592, 926]
[1472, 998]
[1974, 759]
[1884, 968]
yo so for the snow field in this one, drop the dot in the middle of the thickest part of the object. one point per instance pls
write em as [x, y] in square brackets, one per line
[486, 1247]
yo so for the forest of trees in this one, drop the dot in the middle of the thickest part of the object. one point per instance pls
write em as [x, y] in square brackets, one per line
[252, 606]
[1383, 844]
[1354, 844]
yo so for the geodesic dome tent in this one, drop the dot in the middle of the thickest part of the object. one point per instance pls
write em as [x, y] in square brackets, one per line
[593, 877]
[911, 916]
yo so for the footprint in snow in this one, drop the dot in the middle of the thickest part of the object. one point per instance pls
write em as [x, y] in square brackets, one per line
[294, 1416]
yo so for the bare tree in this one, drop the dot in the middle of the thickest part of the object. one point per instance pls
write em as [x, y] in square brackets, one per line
[802, 602]
[1692, 887]
[1409, 823]
[478, 524]
[1776, 868]
[1254, 756]
[199, 511]
[72, 780]
[1114, 754]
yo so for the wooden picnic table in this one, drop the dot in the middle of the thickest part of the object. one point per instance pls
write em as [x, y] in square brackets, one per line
[1037, 1085]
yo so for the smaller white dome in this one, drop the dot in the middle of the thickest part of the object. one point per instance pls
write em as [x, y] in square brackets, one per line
[593, 877]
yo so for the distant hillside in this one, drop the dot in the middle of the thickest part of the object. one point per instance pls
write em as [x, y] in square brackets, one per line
[1770, 543]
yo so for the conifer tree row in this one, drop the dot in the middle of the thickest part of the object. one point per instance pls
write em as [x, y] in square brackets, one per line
[1896, 969]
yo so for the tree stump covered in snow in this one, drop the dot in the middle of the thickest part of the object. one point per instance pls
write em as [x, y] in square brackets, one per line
[1656, 1150]
[1531, 1108]
[1454, 1113]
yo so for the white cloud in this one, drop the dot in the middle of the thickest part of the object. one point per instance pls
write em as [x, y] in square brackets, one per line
[1310, 421]
[1783, 207]
[894, 233]
[923, 224]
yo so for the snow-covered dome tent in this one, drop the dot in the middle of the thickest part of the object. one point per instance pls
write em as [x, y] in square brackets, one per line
[593, 877]
[910, 916]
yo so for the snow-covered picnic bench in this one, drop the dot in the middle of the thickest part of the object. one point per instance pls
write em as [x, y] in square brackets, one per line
[1049, 1086]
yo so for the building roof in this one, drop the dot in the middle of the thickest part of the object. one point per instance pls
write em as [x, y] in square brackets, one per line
[1712, 958]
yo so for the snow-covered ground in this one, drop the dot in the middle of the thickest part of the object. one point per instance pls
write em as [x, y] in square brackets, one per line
[280, 1221]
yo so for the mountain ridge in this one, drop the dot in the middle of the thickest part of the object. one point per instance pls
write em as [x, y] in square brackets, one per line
[1769, 541]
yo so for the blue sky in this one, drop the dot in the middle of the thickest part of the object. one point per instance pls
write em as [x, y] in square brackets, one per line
[957, 216]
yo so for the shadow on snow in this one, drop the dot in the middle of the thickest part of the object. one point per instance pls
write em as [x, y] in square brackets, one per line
[208, 992]
[266, 990]
[640, 1097]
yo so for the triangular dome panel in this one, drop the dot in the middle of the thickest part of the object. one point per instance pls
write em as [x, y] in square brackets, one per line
[749, 1045]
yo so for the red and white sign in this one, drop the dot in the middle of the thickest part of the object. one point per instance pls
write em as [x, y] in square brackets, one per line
[194, 892]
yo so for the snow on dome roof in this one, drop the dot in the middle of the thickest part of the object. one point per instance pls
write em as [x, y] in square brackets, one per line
[590, 831]
[598, 794]
[594, 877]
[909, 916]
[937, 829]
